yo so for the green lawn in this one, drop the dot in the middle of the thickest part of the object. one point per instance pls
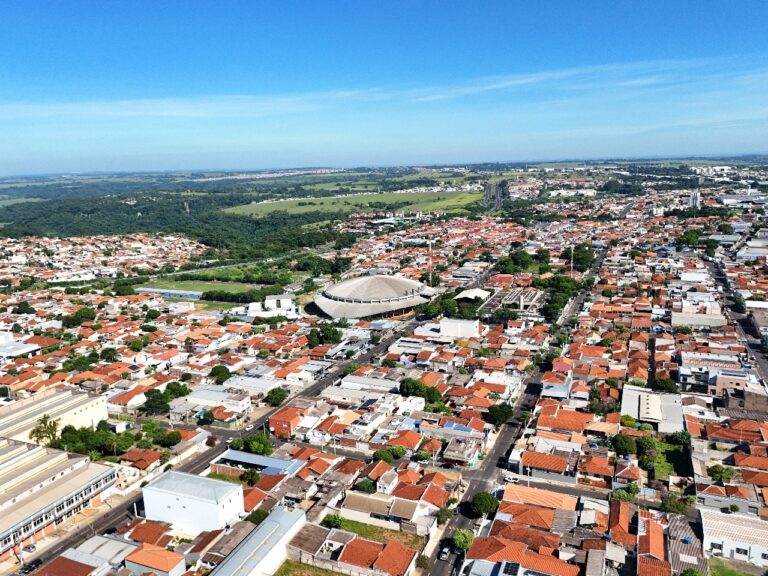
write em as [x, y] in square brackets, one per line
[198, 285]
[426, 201]
[291, 568]
[383, 535]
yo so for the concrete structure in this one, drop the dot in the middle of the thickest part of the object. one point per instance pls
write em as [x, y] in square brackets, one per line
[459, 329]
[193, 504]
[372, 296]
[735, 536]
[41, 489]
[68, 407]
[263, 550]
[644, 405]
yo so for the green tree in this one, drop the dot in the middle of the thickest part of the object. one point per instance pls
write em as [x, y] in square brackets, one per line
[462, 539]
[259, 443]
[220, 374]
[108, 354]
[484, 503]
[720, 473]
[665, 385]
[45, 431]
[250, 476]
[397, 451]
[137, 344]
[691, 572]
[314, 338]
[499, 414]
[384, 455]
[623, 445]
[276, 396]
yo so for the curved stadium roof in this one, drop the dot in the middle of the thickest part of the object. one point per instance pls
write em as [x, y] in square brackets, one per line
[372, 296]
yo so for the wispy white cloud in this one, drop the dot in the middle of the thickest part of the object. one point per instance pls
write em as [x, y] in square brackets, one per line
[544, 85]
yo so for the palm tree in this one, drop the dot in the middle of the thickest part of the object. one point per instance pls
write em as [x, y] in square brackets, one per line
[45, 431]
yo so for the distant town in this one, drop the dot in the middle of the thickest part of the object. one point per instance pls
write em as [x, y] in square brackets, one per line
[549, 370]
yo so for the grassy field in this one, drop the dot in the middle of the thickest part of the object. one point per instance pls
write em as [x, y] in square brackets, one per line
[426, 201]
[9, 201]
[197, 285]
[291, 568]
[671, 459]
[718, 567]
[383, 535]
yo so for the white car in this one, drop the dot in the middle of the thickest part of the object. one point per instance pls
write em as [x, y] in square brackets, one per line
[248, 428]
[229, 440]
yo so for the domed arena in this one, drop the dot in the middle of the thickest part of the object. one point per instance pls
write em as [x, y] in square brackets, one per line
[368, 296]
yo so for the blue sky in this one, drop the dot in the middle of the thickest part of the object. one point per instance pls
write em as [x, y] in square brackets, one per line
[148, 85]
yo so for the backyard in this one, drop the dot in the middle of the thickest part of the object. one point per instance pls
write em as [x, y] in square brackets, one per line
[291, 568]
[383, 535]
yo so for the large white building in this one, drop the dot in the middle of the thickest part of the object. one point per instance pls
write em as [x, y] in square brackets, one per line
[42, 489]
[68, 407]
[459, 329]
[193, 504]
[735, 536]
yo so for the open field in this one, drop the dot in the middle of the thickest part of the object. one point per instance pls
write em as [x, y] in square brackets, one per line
[291, 568]
[426, 201]
[9, 201]
[719, 567]
[383, 535]
[197, 286]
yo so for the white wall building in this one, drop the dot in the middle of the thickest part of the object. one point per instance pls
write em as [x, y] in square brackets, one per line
[735, 536]
[459, 329]
[193, 504]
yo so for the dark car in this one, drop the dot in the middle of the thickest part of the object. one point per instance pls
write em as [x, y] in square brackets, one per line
[111, 530]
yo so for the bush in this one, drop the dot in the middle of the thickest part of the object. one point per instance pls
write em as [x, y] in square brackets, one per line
[257, 516]
[384, 455]
[673, 504]
[443, 515]
[333, 521]
[422, 562]
[398, 451]
[365, 485]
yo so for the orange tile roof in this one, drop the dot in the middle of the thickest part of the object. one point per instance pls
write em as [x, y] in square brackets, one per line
[538, 497]
[394, 559]
[652, 542]
[361, 552]
[495, 549]
[155, 557]
[650, 566]
[549, 462]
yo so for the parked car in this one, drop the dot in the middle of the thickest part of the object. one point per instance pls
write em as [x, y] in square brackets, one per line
[30, 548]
[229, 440]
[249, 428]
[444, 553]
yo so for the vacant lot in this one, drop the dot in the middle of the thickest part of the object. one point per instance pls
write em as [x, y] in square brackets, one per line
[383, 535]
[719, 567]
[197, 286]
[426, 201]
[291, 568]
